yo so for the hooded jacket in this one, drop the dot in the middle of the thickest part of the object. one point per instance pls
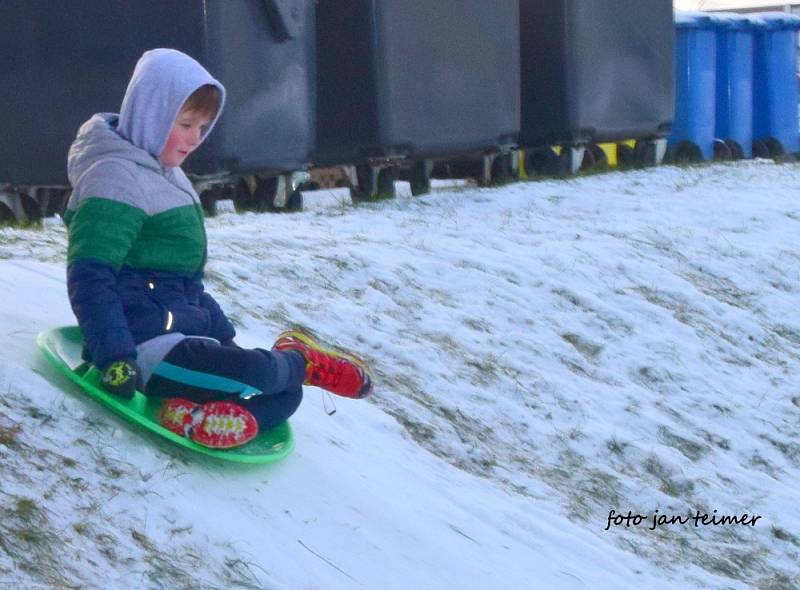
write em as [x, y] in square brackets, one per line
[137, 242]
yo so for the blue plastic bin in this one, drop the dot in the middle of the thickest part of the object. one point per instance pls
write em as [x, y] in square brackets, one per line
[775, 93]
[695, 77]
[734, 96]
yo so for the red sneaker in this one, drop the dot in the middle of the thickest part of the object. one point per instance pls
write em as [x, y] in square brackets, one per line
[177, 415]
[338, 371]
[218, 425]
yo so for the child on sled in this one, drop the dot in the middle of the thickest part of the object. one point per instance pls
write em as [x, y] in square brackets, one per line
[137, 249]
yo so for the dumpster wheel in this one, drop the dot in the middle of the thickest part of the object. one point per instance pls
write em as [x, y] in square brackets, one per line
[542, 161]
[420, 177]
[686, 152]
[644, 153]
[294, 203]
[737, 153]
[594, 158]
[6, 214]
[625, 157]
[760, 149]
[257, 194]
[19, 207]
[722, 152]
[374, 182]
[775, 148]
[502, 171]
[588, 162]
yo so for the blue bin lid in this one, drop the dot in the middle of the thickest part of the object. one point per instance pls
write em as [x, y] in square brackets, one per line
[775, 21]
[733, 21]
[693, 19]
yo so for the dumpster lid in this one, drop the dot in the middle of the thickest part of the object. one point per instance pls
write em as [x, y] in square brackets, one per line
[776, 20]
[693, 19]
[733, 21]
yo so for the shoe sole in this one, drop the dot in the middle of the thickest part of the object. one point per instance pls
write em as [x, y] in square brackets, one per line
[200, 426]
[310, 340]
[173, 413]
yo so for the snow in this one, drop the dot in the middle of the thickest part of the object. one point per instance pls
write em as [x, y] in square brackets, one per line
[544, 353]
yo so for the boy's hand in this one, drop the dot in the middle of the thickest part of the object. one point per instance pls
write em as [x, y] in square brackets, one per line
[122, 378]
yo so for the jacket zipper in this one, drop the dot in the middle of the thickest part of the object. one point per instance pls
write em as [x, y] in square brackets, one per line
[198, 209]
[166, 314]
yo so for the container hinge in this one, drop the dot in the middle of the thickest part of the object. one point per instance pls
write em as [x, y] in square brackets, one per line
[284, 18]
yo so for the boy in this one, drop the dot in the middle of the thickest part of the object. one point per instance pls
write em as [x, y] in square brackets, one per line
[137, 249]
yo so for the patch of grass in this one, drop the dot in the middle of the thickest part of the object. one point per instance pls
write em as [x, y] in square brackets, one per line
[758, 462]
[279, 315]
[30, 540]
[716, 440]
[340, 263]
[15, 224]
[667, 482]
[602, 488]
[574, 367]
[723, 410]
[406, 384]
[689, 449]
[421, 433]
[779, 581]
[720, 565]
[26, 508]
[180, 530]
[578, 506]
[484, 370]
[787, 333]
[784, 535]
[9, 434]
[652, 376]
[470, 265]
[789, 449]
[478, 325]
[720, 288]
[82, 528]
[616, 447]
[142, 540]
[570, 297]
[572, 460]
[589, 350]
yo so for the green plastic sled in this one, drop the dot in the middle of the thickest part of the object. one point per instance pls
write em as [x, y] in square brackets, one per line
[63, 346]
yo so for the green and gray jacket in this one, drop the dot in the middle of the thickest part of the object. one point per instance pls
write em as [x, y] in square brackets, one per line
[137, 242]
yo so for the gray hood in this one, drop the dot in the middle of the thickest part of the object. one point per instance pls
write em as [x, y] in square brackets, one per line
[97, 140]
[162, 81]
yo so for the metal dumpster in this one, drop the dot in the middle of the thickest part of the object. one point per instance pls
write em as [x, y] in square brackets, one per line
[775, 93]
[60, 64]
[596, 71]
[409, 80]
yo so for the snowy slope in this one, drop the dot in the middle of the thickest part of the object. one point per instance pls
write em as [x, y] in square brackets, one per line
[545, 352]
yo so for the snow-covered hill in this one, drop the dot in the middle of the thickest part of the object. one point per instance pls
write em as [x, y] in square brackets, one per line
[545, 353]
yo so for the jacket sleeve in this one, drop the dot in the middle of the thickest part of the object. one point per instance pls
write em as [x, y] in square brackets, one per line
[92, 287]
[101, 234]
[221, 327]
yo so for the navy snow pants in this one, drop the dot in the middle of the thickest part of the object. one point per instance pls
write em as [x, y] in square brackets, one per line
[268, 383]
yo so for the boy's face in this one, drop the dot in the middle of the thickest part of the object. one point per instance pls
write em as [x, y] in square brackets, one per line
[184, 137]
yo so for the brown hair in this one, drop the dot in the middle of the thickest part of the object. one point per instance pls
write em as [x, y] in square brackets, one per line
[205, 100]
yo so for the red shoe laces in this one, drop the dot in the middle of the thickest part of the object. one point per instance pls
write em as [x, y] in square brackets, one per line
[325, 370]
